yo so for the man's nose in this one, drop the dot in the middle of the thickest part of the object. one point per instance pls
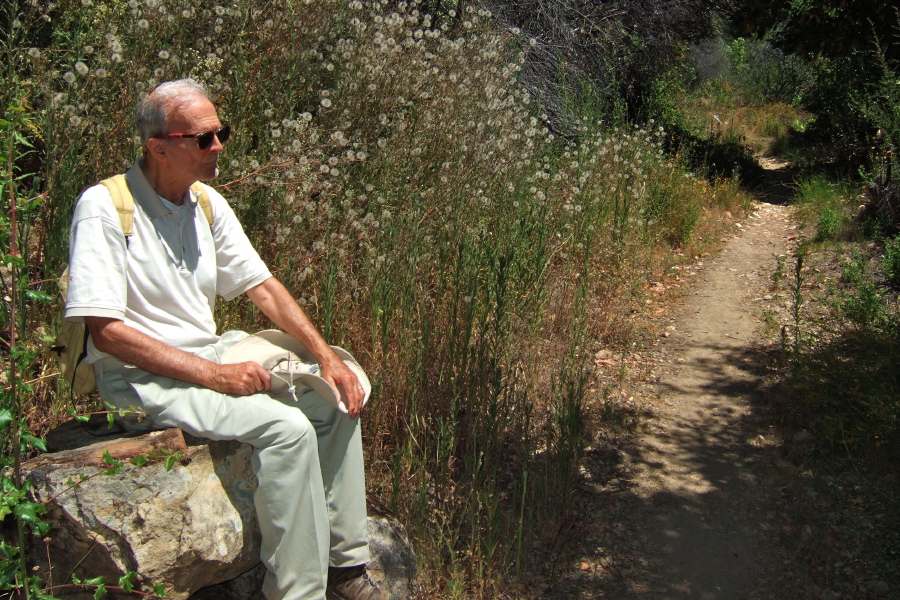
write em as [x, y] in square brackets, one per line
[216, 145]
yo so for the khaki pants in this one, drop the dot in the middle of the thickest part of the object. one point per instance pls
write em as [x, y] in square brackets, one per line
[307, 456]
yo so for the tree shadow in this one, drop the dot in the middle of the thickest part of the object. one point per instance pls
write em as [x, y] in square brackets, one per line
[708, 532]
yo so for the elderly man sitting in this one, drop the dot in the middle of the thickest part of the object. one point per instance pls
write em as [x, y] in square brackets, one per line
[148, 304]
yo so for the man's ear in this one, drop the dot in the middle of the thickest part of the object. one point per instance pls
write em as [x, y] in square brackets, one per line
[156, 147]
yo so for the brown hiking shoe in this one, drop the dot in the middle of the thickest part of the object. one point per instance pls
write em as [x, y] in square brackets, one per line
[353, 583]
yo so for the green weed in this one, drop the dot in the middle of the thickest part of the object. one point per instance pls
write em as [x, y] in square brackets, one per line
[891, 260]
[825, 205]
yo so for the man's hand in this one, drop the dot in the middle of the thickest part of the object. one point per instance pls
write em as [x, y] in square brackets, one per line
[273, 299]
[343, 379]
[241, 379]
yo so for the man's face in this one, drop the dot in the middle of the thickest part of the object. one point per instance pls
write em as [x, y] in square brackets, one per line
[187, 160]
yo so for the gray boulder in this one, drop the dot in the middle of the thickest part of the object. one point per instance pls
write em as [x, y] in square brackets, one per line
[191, 528]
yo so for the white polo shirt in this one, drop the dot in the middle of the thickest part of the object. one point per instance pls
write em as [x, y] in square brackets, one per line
[163, 282]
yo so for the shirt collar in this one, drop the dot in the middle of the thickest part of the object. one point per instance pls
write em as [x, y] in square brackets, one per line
[145, 195]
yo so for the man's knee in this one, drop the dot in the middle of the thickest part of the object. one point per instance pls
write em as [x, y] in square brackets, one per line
[294, 429]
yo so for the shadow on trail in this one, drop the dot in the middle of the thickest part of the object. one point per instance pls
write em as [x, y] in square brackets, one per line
[703, 534]
[777, 183]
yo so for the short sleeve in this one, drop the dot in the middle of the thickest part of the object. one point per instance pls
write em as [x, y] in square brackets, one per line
[97, 257]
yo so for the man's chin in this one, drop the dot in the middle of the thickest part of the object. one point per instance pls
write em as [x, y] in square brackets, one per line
[210, 173]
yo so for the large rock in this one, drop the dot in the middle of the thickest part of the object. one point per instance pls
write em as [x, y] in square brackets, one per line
[187, 528]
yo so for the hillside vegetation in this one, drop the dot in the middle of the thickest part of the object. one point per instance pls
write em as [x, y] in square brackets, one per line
[474, 199]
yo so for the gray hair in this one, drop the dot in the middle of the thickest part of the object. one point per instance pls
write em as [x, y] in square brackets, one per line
[152, 115]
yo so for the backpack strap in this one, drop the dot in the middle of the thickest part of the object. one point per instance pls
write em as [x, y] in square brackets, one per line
[122, 200]
[203, 201]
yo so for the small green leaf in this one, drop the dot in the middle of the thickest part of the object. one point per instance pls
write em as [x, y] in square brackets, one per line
[37, 296]
[140, 460]
[114, 471]
[108, 459]
[95, 581]
[41, 528]
[170, 462]
[126, 581]
[10, 259]
[160, 590]
[8, 552]
[35, 442]
[8, 573]
[6, 417]
[23, 140]
[29, 511]
[100, 592]
[82, 418]
[110, 420]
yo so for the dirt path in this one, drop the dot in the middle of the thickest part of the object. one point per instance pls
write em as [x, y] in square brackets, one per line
[699, 470]
[688, 508]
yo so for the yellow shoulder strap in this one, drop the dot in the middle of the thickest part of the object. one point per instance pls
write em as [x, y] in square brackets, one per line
[203, 201]
[122, 200]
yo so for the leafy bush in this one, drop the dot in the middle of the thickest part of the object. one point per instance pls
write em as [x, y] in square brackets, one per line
[864, 305]
[756, 72]
[825, 204]
[891, 260]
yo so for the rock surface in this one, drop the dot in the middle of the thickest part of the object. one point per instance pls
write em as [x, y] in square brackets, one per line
[188, 528]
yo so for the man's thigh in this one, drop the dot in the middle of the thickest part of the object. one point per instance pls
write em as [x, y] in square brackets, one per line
[165, 402]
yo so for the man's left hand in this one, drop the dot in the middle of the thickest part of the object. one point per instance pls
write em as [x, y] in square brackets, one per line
[343, 379]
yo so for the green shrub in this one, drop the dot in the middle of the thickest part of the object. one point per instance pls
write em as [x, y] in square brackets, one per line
[864, 305]
[824, 204]
[853, 271]
[891, 260]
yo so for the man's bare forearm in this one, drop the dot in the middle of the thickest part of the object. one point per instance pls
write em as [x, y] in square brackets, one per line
[133, 347]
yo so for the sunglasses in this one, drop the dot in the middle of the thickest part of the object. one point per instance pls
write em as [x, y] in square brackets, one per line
[204, 140]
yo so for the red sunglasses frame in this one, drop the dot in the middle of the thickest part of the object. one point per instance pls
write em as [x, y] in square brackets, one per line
[223, 134]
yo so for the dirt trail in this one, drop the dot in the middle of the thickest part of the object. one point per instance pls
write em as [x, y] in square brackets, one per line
[687, 509]
[699, 470]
